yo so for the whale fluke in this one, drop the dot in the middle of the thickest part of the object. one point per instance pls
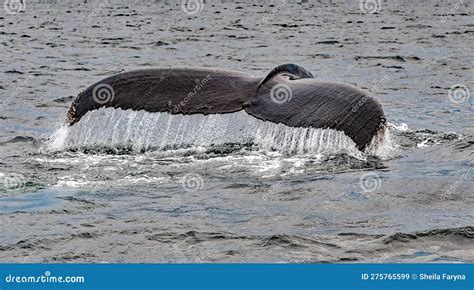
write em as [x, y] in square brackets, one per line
[311, 103]
[288, 94]
[177, 91]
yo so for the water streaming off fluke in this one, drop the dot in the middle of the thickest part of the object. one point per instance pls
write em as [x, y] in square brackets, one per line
[143, 131]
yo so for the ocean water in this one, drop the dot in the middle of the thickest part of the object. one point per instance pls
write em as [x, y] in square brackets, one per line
[126, 186]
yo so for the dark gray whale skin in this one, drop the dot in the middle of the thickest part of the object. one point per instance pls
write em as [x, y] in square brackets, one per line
[311, 103]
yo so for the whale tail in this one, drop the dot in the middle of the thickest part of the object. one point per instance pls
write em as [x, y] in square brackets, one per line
[288, 94]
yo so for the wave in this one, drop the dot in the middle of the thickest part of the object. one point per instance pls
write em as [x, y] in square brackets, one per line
[450, 233]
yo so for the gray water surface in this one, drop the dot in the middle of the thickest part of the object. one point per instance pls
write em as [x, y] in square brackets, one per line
[73, 195]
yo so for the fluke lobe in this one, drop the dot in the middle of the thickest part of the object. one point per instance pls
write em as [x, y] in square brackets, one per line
[289, 94]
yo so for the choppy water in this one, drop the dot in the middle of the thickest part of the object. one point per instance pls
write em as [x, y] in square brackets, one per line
[123, 186]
